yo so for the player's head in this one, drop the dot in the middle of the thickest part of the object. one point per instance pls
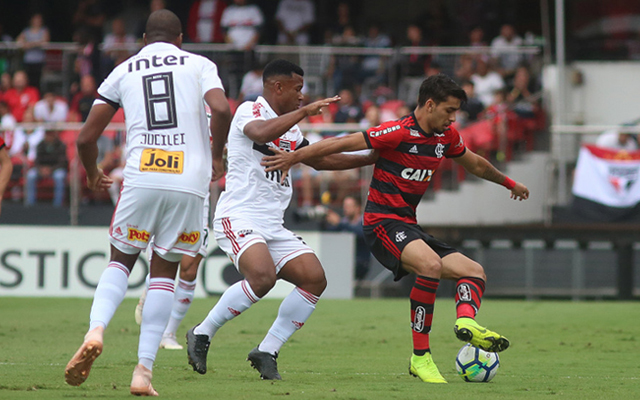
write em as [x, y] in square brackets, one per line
[163, 26]
[282, 82]
[438, 100]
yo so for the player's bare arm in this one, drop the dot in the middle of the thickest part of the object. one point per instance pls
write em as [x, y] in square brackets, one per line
[285, 160]
[265, 131]
[482, 168]
[87, 143]
[6, 167]
[219, 126]
[341, 161]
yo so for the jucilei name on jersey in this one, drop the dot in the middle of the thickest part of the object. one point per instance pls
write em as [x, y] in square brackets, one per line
[159, 139]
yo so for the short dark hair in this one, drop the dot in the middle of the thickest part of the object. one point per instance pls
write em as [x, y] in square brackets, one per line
[438, 88]
[281, 67]
[163, 26]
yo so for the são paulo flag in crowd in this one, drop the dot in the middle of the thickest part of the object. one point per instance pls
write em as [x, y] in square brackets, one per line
[606, 185]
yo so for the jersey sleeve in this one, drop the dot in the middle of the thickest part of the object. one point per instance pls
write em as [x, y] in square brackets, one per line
[247, 112]
[210, 78]
[384, 136]
[457, 147]
[109, 89]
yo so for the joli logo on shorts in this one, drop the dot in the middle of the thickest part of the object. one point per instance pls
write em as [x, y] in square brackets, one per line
[189, 238]
[140, 236]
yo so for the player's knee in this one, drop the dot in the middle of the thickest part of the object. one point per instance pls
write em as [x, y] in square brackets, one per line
[188, 269]
[476, 270]
[261, 283]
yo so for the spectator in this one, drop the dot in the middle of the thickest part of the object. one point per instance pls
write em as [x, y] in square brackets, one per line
[154, 5]
[417, 63]
[339, 24]
[476, 37]
[5, 169]
[294, 19]
[26, 141]
[88, 60]
[351, 221]
[373, 66]
[345, 68]
[349, 110]
[251, 86]
[51, 109]
[486, 82]
[117, 38]
[21, 96]
[5, 82]
[242, 23]
[83, 100]
[204, 24]
[502, 47]
[522, 94]
[617, 139]
[31, 39]
[51, 162]
[372, 117]
[90, 17]
[472, 107]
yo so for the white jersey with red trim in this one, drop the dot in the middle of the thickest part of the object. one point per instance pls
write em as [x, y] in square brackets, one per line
[161, 90]
[250, 192]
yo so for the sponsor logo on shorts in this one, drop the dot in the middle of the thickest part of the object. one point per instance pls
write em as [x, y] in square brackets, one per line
[400, 236]
[118, 231]
[464, 292]
[189, 238]
[245, 232]
[139, 235]
[418, 319]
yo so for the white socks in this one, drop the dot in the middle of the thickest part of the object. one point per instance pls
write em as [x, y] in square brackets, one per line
[181, 303]
[236, 299]
[155, 315]
[293, 313]
[108, 295]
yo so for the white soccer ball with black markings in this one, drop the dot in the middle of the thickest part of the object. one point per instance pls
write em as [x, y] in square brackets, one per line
[476, 365]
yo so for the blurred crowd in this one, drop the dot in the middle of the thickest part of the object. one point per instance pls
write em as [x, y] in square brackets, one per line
[503, 110]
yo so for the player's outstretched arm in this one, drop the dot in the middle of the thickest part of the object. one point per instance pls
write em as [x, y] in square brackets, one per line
[87, 143]
[482, 168]
[314, 153]
[265, 131]
[6, 167]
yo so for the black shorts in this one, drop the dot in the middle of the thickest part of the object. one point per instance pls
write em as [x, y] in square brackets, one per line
[387, 240]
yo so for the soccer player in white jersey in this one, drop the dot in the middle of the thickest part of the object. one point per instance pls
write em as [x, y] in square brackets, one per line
[166, 177]
[248, 222]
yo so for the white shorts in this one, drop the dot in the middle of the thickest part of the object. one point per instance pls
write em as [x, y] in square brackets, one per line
[236, 235]
[173, 219]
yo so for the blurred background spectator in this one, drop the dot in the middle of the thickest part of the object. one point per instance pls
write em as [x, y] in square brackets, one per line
[618, 139]
[83, 100]
[507, 40]
[51, 108]
[204, 24]
[486, 82]
[21, 95]
[117, 37]
[242, 23]
[251, 86]
[294, 19]
[31, 39]
[50, 162]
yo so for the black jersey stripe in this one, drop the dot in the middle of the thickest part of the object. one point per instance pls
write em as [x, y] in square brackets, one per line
[376, 208]
[263, 148]
[109, 102]
[425, 150]
[391, 189]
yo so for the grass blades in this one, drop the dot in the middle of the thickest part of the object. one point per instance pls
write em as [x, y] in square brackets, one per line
[356, 349]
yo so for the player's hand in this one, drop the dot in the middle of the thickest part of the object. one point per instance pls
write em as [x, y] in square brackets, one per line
[99, 181]
[519, 192]
[315, 108]
[281, 160]
[218, 170]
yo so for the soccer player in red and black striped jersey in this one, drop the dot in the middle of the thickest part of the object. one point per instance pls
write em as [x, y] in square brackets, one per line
[409, 152]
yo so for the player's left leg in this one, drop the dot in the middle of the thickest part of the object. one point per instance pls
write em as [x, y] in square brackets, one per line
[306, 273]
[182, 300]
[109, 293]
[470, 278]
[155, 315]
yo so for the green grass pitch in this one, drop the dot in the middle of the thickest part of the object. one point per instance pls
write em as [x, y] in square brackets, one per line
[355, 349]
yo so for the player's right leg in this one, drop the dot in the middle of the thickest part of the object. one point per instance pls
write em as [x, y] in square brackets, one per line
[251, 255]
[401, 248]
[109, 293]
[470, 282]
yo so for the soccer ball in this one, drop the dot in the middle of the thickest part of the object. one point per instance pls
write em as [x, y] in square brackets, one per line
[476, 365]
